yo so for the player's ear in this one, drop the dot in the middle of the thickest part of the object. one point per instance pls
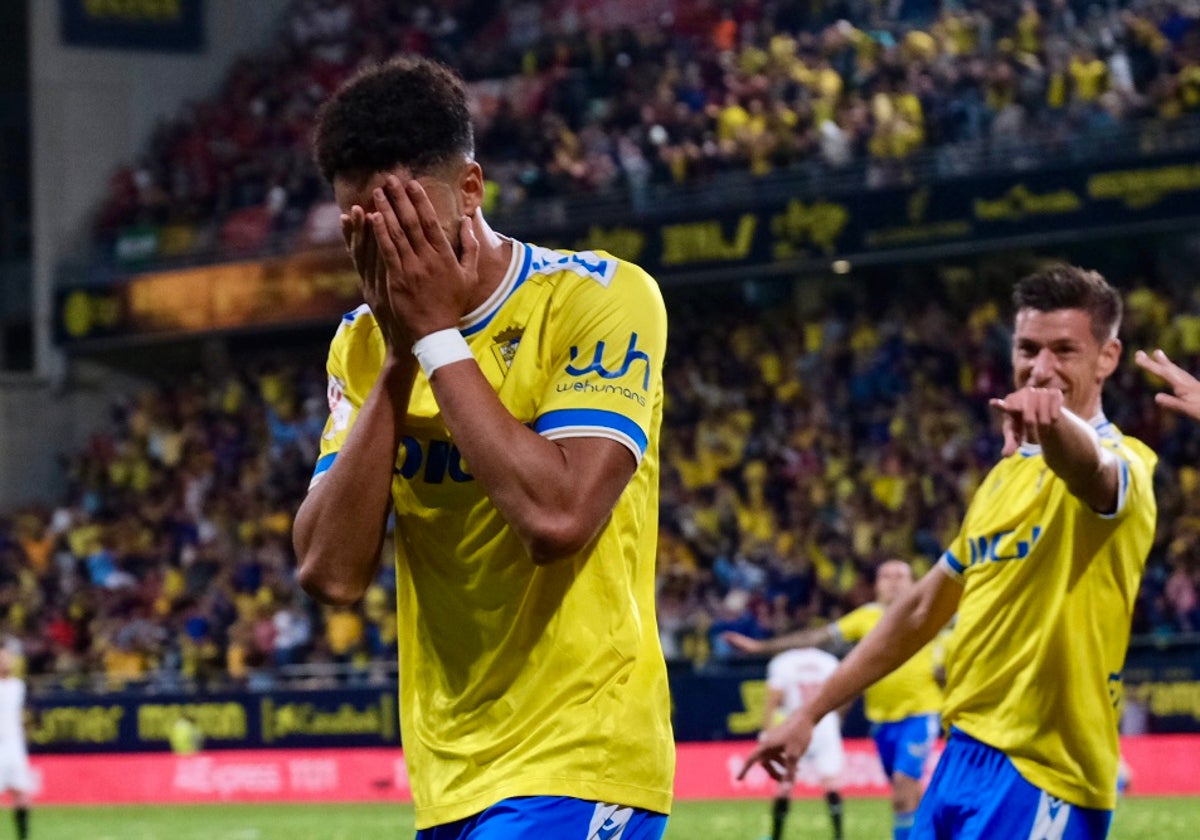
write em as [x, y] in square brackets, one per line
[1110, 357]
[470, 187]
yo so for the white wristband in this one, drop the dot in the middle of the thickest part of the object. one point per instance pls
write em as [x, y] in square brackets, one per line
[441, 348]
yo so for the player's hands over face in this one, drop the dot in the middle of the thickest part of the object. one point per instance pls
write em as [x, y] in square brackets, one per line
[743, 643]
[1186, 399]
[1028, 414]
[372, 274]
[429, 288]
[781, 747]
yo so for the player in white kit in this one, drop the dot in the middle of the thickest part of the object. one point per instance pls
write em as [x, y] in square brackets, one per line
[14, 759]
[793, 678]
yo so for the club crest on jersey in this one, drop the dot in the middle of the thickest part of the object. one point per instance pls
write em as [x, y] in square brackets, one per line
[505, 344]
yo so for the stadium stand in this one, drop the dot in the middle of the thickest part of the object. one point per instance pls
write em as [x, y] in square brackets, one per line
[798, 456]
[570, 107]
[169, 561]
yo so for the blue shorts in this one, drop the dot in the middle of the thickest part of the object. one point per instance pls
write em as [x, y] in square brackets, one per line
[547, 817]
[977, 793]
[905, 744]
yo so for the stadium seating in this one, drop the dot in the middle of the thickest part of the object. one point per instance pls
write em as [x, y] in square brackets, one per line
[569, 107]
[797, 456]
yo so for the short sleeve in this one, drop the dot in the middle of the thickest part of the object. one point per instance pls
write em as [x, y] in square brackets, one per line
[956, 556]
[853, 626]
[344, 401]
[1135, 477]
[607, 342]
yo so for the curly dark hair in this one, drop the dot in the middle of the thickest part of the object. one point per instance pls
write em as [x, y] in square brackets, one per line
[409, 111]
[1069, 287]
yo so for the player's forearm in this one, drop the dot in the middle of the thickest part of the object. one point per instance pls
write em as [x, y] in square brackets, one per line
[1072, 450]
[340, 525]
[812, 637]
[905, 628]
[529, 478]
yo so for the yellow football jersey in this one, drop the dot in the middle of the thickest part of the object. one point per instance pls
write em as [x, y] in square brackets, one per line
[908, 691]
[516, 679]
[1034, 664]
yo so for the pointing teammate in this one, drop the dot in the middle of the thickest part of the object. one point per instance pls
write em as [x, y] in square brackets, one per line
[503, 401]
[902, 707]
[1043, 576]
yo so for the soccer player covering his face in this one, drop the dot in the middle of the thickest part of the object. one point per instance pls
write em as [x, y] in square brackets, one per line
[502, 401]
[902, 707]
[1043, 576]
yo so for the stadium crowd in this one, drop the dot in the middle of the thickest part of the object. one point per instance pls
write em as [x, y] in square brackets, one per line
[799, 453]
[570, 106]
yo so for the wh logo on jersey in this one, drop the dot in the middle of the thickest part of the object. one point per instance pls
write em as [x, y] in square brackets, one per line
[632, 356]
[1002, 545]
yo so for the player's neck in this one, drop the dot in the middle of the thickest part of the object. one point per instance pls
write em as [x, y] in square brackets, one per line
[495, 256]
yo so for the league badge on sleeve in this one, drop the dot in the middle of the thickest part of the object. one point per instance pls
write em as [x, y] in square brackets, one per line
[340, 409]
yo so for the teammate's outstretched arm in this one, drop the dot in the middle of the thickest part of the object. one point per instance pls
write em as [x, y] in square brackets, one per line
[1069, 444]
[340, 525]
[814, 637]
[906, 627]
[1186, 399]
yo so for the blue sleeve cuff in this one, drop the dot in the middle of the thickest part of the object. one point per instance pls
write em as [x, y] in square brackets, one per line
[323, 465]
[593, 422]
[953, 563]
[1122, 490]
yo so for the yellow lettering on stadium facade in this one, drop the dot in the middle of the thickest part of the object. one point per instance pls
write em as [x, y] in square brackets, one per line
[909, 234]
[134, 11]
[754, 698]
[692, 242]
[226, 721]
[624, 242]
[342, 284]
[800, 226]
[1168, 699]
[1020, 202]
[78, 725]
[1141, 188]
[81, 312]
[307, 719]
